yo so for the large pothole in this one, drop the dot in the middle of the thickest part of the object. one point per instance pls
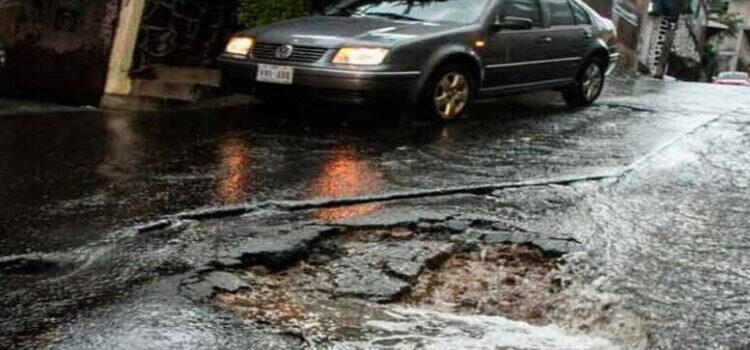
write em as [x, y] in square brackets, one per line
[356, 288]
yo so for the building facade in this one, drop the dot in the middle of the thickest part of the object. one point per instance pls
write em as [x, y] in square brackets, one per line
[662, 37]
[734, 51]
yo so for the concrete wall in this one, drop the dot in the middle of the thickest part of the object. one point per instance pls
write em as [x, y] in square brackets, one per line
[628, 16]
[56, 49]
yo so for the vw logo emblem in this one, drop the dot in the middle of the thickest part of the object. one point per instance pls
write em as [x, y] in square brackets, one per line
[284, 51]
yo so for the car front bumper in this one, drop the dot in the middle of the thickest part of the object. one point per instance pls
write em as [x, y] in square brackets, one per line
[321, 83]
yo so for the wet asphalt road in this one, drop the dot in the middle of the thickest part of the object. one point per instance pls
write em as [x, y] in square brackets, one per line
[70, 177]
[676, 220]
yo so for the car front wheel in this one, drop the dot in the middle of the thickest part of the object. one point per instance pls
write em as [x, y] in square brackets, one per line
[588, 85]
[447, 93]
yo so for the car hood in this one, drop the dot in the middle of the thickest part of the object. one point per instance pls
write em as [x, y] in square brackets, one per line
[332, 32]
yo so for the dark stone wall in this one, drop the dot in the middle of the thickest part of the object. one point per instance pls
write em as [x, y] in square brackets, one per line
[188, 33]
[56, 49]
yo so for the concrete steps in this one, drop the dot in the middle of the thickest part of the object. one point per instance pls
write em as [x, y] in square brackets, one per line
[161, 87]
[187, 75]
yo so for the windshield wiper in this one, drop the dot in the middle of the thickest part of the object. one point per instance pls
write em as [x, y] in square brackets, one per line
[391, 15]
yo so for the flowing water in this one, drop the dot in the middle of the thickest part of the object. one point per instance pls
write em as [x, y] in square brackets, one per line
[413, 329]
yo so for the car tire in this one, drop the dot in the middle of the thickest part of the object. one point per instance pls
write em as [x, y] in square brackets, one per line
[447, 93]
[588, 85]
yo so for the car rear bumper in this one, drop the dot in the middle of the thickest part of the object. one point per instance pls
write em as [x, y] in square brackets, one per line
[336, 85]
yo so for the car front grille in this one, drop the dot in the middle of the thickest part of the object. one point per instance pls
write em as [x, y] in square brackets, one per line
[300, 54]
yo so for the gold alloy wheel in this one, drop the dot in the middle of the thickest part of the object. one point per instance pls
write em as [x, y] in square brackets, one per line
[592, 82]
[451, 95]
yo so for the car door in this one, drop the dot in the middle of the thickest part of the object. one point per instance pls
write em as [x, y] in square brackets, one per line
[510, 54]
[567, 38]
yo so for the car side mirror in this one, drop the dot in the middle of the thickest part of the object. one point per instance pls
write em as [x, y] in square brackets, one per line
[514, 23]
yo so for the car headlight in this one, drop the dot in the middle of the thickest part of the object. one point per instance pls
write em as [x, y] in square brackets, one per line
[240, 45]
[361, 56]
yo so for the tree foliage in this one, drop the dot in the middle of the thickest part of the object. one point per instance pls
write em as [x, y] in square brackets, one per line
[253, 13]
[734, 23]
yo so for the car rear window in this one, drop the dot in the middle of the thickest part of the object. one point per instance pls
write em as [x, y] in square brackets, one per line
[560, 13]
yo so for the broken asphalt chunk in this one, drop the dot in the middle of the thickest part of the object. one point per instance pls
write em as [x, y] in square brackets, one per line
[549, 245]
[383, 272]
[202, 288]
[277, 249]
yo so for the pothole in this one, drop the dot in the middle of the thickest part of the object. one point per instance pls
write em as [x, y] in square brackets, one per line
[353, 289]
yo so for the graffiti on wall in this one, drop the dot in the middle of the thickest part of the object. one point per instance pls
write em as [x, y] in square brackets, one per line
[183, 32]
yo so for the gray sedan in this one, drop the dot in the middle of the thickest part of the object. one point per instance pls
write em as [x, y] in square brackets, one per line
[433, 55]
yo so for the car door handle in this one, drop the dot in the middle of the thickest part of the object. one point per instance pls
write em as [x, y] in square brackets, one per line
[587, 35]
[545, 39]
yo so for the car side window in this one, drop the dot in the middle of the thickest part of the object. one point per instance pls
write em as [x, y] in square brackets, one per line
[523, 8]
[560, 13]
[582, 17]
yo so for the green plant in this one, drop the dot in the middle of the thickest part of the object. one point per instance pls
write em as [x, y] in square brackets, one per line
[253, 13]
[734, 23]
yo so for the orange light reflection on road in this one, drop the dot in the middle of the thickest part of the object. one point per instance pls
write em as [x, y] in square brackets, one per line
[344, 175]
[234, 162]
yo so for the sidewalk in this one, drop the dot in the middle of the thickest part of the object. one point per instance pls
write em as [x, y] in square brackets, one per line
[17, 107]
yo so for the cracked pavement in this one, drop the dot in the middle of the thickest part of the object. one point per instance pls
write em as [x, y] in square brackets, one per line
[530, 226]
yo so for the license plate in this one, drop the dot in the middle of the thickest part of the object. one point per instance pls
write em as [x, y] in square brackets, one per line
[269, 73]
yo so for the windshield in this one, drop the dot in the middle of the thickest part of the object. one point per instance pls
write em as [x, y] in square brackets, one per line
[733, 75]
[460, 11]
